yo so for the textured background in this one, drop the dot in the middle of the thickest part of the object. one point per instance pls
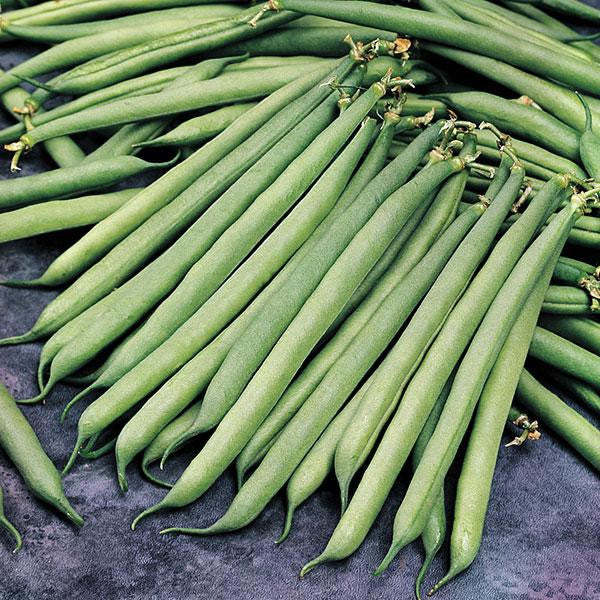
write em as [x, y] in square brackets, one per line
[540, 540]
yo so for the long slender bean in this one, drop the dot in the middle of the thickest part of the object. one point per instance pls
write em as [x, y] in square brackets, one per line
[582, 331]
[351, 220]
[576, 430]
[70, 180]
[555, 351]
[60, 214]
[468, 36]
[578, 390]
[472, 374]
[569, 300]
[22, 446]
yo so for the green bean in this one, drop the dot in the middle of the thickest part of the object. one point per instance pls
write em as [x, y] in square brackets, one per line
[574, 272]
[198, 256]
[226, 88]
[60, 214]
[288, 186]
[136, 86]
[343, 227]
[72, 11]
[53, 34]
[578, 390]
[434, 533]
[8, 526]
[589, 143]
[22, 446]
[199, 129]
[332, 178]
[565, 356]
[582, 331]
[133, 60]
[314, 41]
[70, 180]
[162, 192]
[573, 9]
[299, 390]
[419, 334]
[525, 121]
[164, 439]
[315, 414]
[576, 430]
[560, 101]
[569, 300]
[475, 482]
[468, 36]
[478, 14]
[79, 50]
[63, 150]
[472, 374]
[316, 465]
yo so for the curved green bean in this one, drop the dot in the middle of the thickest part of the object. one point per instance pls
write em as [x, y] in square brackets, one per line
[578, 390]
[580, 330]
[8, 526]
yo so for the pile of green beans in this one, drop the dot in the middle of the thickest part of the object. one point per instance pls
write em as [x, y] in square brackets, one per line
[323, 270]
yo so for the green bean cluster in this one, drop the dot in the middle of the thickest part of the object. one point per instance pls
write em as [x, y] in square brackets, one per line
[350, 249]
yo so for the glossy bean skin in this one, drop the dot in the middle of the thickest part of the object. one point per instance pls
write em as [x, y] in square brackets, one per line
[70, 180]
[302, 172]
[362, 208]
[464, 35]
[473, 371]
[108, 233]
[8, 526]
[475, 482]
[226, 88]
[318, 462]
[580, 330]
[304, 384]
[134, 60]
[576, 430]
[315, 414]
[57, 215]
[566, 356]
[23, 448]
[419, 334]
[199, 129]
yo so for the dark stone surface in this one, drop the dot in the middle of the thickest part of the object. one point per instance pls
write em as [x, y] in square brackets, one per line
[540, 543]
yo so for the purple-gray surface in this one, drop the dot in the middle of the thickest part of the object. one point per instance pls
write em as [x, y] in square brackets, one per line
[541, 538]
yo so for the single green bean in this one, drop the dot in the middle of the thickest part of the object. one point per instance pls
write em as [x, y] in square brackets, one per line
[70, 180]
[22, 446]
[589, 143]
[199, 129]
[555, 351]
[57, 215]
[569, 300]
[8, 526]
[576, 430]
[578, 390]
[582, 331]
